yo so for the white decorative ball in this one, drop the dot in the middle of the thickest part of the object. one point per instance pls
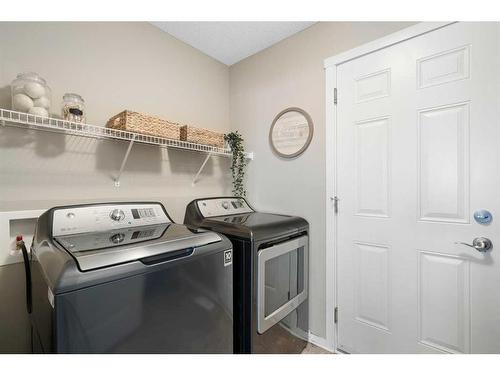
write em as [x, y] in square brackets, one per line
[34, 89]
[42, 101]
[38, 111]
[21, 102]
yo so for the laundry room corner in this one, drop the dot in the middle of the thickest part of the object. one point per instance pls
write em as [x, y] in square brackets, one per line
[291, 73]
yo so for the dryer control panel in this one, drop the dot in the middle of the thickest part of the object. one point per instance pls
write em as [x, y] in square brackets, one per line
[223, 206]
[106, 217]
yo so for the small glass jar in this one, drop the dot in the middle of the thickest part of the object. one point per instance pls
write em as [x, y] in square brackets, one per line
[73, 108]
[31, 94]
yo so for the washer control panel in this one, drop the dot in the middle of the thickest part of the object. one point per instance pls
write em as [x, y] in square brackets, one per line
[98, 218]
[223, 206]
[102, 240]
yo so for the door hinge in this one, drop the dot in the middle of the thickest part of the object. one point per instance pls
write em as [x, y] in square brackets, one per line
[335, 205]
[336, 315]
[335, 95]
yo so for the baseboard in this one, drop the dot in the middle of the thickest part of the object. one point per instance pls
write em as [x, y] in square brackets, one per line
[321, 342]
[312, 338]
[297, 332]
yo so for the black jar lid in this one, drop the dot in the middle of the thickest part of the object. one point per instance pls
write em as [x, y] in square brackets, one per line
[76, 111]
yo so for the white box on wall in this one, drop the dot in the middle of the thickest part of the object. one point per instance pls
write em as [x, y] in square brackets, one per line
[13, 223]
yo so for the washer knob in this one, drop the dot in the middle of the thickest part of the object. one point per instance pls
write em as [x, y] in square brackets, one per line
[117, 238]
[117, 215]
[225, 204]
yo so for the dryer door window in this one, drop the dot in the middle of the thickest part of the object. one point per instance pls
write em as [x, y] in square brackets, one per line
[282, 281]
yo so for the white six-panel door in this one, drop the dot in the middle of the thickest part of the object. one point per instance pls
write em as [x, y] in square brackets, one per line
[418, 151]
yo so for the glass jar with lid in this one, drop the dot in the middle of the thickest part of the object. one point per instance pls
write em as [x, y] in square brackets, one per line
[31, 94]
[73, 108]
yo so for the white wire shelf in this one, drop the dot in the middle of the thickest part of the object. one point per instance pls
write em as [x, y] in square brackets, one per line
[25, 120]
[19, 119]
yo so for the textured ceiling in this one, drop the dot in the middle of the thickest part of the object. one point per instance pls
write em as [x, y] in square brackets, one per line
[230, 42]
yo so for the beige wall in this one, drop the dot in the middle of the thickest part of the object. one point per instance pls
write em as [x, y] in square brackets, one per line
[114, 66]
[290, 74]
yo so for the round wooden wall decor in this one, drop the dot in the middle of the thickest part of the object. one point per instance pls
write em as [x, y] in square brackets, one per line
[291, 132]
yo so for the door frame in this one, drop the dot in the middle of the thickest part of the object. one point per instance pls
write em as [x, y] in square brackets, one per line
[330, 66]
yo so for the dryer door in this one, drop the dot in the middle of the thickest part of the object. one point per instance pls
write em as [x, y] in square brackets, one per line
[282, 278]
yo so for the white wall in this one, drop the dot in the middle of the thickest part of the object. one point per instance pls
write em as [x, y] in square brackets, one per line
[114, 66]
[290, 74]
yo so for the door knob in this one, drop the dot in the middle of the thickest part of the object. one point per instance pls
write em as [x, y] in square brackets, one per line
[481, 244]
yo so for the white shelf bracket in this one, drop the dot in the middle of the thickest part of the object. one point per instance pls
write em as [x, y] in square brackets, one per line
[124, 161]
[195, 179]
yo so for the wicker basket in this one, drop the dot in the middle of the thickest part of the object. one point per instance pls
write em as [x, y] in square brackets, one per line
[202, 136]
[144, 124]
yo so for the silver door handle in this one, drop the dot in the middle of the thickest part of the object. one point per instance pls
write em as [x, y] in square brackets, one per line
[481, 244]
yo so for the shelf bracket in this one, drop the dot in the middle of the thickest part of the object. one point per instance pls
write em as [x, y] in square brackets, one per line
[195, 179]
[124, 161]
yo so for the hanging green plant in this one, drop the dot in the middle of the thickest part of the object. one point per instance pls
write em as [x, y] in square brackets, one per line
[238, 163]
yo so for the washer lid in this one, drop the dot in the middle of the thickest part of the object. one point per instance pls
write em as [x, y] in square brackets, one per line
[104, 249]
[255, 225]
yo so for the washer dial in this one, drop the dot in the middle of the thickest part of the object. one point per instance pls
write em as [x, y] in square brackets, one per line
[117, 215]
